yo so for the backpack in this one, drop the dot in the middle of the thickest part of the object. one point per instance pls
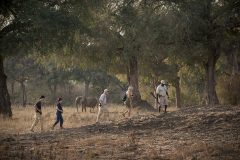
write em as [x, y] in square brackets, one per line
[124, 97]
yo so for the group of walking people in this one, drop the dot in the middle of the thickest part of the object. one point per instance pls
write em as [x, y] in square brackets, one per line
[127, 100]
[38, 114]
[161, 98]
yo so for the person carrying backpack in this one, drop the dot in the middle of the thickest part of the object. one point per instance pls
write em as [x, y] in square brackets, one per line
[128, 98]
[162, 95]
[38, 114]
[59, 112]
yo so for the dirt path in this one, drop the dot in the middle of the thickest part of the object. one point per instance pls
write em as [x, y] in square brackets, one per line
[190, 133]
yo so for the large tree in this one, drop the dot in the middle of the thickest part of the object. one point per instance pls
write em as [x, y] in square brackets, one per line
[201, 29]
[42, 26]
[21, 70]
[124, 38]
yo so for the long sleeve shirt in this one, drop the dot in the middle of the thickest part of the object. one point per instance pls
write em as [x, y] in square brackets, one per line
[38, 107]
[59, 108]
[103, 99]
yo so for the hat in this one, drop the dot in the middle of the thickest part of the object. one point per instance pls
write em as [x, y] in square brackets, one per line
[163, 82]
[59, 99]
[130, 88]
[42, 97]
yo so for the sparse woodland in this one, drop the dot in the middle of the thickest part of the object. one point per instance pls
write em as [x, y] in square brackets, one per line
[73, 48]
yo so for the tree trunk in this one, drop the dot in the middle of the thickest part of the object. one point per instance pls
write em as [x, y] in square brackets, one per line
[128, 75]
[25, 95]
[232, 57]
[133, 78]
[235, 64]
[155, 81]
[23, 87]
[86, 88]
[232, 61]
[211, 94]
[5, 104]
[178, 94]
[70, 89]
[54, 92]
[12, 91]
[12, 87]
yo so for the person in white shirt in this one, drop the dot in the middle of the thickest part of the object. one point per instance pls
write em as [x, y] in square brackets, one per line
[102, 104]
[162, 95]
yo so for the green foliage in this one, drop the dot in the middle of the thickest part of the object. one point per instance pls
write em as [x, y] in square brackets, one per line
[21, 69]
[192, 84]
[93, 41]
[41, 26]
[228, 89]
[52, 81]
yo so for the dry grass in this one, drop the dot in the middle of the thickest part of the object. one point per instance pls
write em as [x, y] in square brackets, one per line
[206, 151]
[190, 133]
[23, 118]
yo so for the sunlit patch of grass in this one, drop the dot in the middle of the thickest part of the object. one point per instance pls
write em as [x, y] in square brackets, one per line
[23, 117]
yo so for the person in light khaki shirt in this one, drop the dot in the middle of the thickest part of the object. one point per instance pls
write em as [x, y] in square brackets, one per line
[38, 114]
[128, 101]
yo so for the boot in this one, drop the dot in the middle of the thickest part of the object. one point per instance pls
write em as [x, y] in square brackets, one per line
[165, 109]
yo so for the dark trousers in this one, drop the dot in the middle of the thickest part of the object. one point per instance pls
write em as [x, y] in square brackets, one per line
[159, 108]
[58, 119]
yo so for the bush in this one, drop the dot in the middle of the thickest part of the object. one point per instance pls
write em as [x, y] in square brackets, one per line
[228, 89]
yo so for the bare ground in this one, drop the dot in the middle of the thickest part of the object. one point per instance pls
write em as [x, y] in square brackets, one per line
[190, 133]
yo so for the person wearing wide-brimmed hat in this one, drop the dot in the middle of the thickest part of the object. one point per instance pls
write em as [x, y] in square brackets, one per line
[162, 95]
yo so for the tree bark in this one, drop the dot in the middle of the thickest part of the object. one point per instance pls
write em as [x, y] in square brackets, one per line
[133, 78]
[86, 88]
[178, 93]
[128, 75]
[53, 90]
[211, 94]
[235, 64]
[23, 87]
[12, 91]
[232, 62]
[70, 89]
[155, 81]
[5, 104]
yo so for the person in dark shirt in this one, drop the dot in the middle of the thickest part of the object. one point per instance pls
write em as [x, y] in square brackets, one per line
[38, 114]
[59, 112]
